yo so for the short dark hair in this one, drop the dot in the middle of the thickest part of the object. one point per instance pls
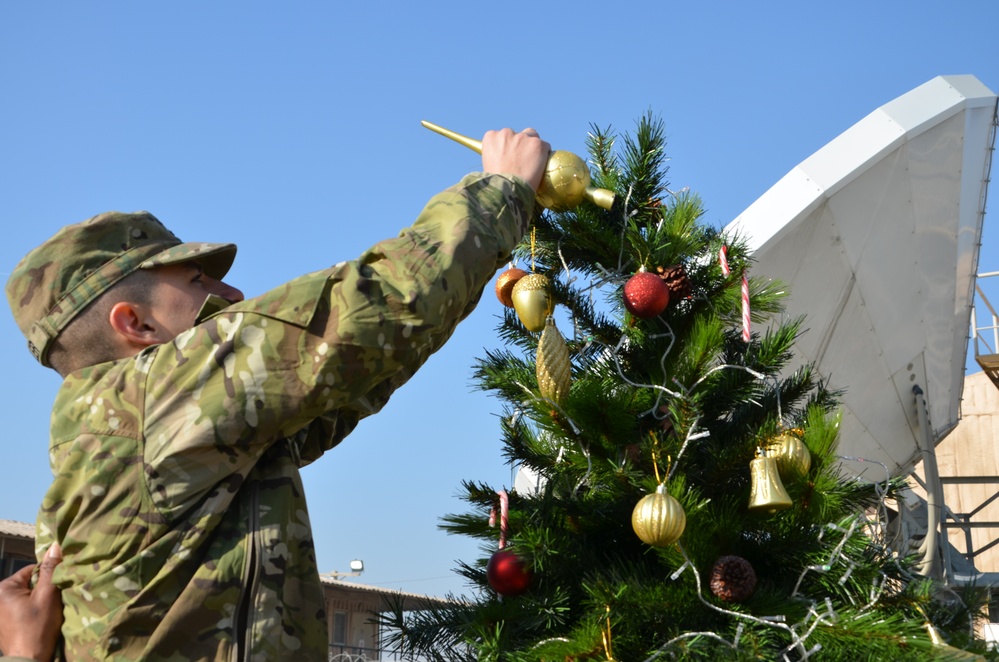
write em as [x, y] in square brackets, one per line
[89, 338]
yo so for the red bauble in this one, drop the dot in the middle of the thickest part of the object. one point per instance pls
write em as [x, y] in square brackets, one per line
[504, 285]
[508, 574]
[645, 295]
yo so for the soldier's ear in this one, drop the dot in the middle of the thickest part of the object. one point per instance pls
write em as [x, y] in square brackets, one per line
[131, 324]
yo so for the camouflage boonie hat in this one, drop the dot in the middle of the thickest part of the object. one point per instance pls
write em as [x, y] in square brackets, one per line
[57, 280]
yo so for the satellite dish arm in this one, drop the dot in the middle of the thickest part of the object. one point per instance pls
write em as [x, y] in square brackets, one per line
[929, 564]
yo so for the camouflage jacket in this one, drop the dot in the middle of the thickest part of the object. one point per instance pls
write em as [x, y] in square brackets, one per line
[177, 497]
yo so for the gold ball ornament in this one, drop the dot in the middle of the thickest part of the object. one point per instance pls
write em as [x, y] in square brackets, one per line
[793, 458]
[658, 519]
[533, 301]
[564, 184]
[504, 285]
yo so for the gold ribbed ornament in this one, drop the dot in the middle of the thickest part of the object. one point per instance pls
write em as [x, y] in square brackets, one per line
[554, 369]
[658, 518]
[533, 301]
[767, 493]
[793, 458]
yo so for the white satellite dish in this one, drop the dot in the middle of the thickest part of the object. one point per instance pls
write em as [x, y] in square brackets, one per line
[877, 236]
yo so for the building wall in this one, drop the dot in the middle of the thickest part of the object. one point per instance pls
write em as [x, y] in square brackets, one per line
[972, 449]
[360, 633]
[17, 547]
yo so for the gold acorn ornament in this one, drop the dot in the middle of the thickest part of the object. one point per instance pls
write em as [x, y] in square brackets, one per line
[533, 301]
[767, 493]
[793, 458]
[564, 184]
[658, 518]
[553, 368]
[504, 285]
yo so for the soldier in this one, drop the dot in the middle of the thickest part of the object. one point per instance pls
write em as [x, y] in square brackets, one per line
[186, 411]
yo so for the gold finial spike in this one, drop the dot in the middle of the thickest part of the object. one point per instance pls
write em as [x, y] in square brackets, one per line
[565, 183]
[470, 143]
[601, 197]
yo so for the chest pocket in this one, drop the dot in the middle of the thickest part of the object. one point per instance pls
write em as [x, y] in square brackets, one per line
[296, 302]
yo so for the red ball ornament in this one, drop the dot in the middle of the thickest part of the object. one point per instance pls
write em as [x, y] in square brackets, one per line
[504, 285]
[508, 574]
[645, 295]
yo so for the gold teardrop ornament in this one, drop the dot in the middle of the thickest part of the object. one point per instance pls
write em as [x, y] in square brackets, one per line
[793, 458]
[767, 493]
[533, 301]
[658, 518]
[554, 369]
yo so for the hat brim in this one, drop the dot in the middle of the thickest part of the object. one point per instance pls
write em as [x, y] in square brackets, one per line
[215, 259]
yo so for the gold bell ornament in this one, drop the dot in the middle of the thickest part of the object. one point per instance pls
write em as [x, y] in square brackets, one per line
[533, 301]
[565, 183]
[554, 368]
[658, 518]
[793, 458]
[948, 652]
[767, 493]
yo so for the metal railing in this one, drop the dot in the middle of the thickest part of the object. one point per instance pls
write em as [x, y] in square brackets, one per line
[970, 520]
[986, 334]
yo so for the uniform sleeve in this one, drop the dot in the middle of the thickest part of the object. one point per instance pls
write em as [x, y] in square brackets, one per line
[332, 345]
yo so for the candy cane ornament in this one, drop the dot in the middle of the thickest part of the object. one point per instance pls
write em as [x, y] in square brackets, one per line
[504, 500]
[723, 261]
[745, 308]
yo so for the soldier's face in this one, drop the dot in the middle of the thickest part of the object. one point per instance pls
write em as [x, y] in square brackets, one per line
[179, 294]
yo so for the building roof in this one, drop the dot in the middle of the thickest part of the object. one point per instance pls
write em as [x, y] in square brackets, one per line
[9, 527]
[410, 600]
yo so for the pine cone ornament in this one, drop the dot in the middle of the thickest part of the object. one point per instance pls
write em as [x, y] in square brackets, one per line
[676, 281]
[733, 579]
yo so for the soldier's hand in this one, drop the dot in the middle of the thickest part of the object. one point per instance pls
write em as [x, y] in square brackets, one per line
[30, 618]
[523, 154]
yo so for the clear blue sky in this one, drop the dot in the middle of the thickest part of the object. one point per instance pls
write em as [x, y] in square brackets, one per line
[293, 130]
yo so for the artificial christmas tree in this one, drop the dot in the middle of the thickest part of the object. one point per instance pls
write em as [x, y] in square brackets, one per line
[662, 528]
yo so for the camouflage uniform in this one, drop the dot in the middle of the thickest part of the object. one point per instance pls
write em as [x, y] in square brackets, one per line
[177, 497]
